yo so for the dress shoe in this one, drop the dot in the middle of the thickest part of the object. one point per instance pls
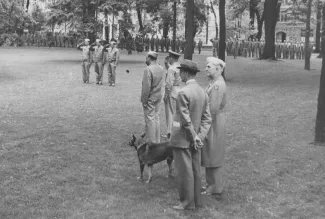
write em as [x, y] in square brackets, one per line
[179, 208]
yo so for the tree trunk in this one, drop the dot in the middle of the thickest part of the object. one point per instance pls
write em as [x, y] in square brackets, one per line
[319, 20]
[252, 10]
[174, 26]
[27, 5]
[271, 14]
[222, 41]
[207, 26]
[307, 46]
[323, 31]
[260, 21]
[215, 20]
[188, 53]
[320, 117]
[138, 7]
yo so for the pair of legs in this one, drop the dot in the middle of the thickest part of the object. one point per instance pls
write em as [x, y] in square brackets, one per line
[99, 72]
[151, 118]
[187, 164]
[214, 180]
[85, 65]
[111, 73]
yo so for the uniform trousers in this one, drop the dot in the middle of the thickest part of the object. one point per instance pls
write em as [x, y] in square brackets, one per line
[111, 68]
[151, 118]
[85, 65]
[187, 164]
[170, 106]
[214, 179]
[99, 71]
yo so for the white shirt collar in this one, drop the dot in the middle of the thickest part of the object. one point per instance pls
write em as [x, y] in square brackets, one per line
[189, 81]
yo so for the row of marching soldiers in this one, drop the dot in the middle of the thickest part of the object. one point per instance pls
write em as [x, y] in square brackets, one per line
[48, 39]
[141, 44]
[254, 49]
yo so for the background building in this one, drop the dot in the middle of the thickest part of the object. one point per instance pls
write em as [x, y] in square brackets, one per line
[289, 26]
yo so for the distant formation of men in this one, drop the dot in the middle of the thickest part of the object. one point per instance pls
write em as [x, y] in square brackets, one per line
[254, 48]
[48, 39]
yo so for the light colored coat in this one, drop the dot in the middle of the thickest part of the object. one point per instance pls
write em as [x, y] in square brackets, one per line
[213, 151]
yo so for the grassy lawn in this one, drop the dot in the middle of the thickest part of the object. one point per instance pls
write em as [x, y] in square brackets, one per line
[64, 144]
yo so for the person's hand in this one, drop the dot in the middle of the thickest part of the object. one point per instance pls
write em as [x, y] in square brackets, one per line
[197, 143]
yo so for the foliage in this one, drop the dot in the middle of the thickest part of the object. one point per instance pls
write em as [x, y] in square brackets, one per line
[13, 17]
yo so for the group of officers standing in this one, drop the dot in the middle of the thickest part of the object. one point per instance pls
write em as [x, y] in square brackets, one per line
[195, 122]
[254, 48]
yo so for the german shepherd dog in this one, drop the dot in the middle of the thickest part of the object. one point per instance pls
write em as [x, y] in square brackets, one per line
[151, 153]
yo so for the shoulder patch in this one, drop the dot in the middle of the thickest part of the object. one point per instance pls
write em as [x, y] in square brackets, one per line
[216, 87]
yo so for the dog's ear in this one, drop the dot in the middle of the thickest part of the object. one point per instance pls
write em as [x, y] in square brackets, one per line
[133, 137]
[143, 135]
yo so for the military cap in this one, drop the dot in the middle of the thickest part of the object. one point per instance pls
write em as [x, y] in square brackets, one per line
[153, 54]
[113, 41]
[189, 65]
[174, 54]
[87, 40]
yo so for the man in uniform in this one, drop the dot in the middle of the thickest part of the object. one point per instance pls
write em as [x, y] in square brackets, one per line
[162, 44]
[151, 96]
[191, 124]
[157, 43]
[113, 58]
[199, 46]
[84, 47]
[98, 59]
[172, 87]
[147, 43]
[152, 43]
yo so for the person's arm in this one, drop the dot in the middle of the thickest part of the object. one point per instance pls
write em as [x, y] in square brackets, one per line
[182, 103]
[146, 85]
[170, 78]
[117, 57]
[206, 120]
[91, 48]
[106, 47]
[79, 46]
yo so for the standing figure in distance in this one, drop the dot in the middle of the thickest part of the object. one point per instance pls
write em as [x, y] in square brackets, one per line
[113, 58]
[85, 65]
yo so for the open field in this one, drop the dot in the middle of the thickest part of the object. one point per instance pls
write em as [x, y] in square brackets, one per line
[64, 144]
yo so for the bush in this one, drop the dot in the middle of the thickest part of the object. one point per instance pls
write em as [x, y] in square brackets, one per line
[11, 39]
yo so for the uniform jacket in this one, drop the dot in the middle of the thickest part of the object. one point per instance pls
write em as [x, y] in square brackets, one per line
[173, 80]
[152, 83]
[192, 115]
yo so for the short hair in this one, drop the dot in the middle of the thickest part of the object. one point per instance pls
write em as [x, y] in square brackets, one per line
[152, 57]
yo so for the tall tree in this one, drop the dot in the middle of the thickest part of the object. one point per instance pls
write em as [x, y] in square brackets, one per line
[307, 46]
[271, 14]
[252, 11]
[188, 54]
[320, 117]
[215, 17]
[174, 25]
[138, 8]
[318, 25]
[222, 41]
